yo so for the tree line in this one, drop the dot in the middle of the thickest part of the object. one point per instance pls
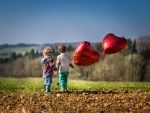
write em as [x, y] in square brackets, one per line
[17, 45]
[130, 64]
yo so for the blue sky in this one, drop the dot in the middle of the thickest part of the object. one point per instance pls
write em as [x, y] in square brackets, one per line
[52, 21]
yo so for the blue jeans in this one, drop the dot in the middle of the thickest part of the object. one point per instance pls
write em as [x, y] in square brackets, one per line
[63, 79]
[47, 83]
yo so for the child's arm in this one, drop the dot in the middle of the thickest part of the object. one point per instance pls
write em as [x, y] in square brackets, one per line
[52, 65]
[58, 63]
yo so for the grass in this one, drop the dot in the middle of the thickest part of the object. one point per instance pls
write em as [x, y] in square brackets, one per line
[12, 84]
[17, 49]
[107, 86]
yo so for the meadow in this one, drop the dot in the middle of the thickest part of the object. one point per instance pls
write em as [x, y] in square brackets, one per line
[22, 50]
[17, 49]
[16, 84]
[26, 95]
[37, 83]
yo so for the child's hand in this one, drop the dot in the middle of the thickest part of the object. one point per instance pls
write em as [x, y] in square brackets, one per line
[56, 69]
[71, 66]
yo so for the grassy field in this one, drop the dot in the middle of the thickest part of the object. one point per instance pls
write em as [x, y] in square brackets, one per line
[12, 84]
[15, 49]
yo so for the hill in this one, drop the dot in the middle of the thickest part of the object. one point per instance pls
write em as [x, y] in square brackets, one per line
[55, 45]
[7, 49]
[17, 45]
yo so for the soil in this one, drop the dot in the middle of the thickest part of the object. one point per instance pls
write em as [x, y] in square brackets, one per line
[76, 102]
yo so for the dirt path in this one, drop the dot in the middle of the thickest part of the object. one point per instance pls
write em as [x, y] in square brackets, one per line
[77, 102]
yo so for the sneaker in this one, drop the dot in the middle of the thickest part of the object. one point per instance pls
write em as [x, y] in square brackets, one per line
[62, 90]
[66, 89]
[57, 85]
[47, 93]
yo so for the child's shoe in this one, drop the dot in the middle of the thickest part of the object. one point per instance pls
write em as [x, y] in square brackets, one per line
[66, 89]
[48, 93]
[62, 90]
[57, 85]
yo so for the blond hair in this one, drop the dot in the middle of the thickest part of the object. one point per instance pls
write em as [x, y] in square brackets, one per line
[62, 48]
[47, 51]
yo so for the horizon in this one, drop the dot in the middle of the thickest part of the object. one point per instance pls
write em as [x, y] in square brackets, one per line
[44, 43]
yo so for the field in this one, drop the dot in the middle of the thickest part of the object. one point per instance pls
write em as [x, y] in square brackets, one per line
[4, 52]
[27, 96]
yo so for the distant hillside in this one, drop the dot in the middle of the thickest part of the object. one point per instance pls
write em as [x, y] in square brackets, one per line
[55, 45]
[7, 49]
[17, 45]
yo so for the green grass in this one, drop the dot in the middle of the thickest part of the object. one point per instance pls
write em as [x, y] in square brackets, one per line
[107, 86]
[12, 84]
[21, 50]
[17, 49]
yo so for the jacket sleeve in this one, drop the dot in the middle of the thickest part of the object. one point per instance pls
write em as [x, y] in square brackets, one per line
[52, 65]
[43, 64]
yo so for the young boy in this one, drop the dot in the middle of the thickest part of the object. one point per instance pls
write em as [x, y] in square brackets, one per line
[63, 63]
[48, 65]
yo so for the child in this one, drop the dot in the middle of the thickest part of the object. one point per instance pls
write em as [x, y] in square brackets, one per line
[63, 63]
[48, 65]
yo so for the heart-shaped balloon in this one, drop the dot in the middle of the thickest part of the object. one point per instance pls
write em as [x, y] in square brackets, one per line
[84, 55]
[113, 44]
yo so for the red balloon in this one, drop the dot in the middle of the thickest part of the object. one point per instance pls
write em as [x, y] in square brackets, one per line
[84, 55]
[113, 44]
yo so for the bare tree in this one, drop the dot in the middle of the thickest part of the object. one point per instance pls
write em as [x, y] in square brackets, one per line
[143, 45]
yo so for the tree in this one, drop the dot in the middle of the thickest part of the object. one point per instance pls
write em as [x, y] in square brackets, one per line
[31, 54]
[3, 60]
[12, 57]
[134, 49]
[37, 54]
[69, 48]
[129, 46]
[97, 47]
[53, 51]
[143, 45]
[56, 51]
[33, 68]
[19, 55]
[26, 54]
[128, 49]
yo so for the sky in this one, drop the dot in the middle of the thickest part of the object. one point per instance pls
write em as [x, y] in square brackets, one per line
[53, 21]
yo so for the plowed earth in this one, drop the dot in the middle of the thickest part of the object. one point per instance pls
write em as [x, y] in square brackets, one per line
[76, 102]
